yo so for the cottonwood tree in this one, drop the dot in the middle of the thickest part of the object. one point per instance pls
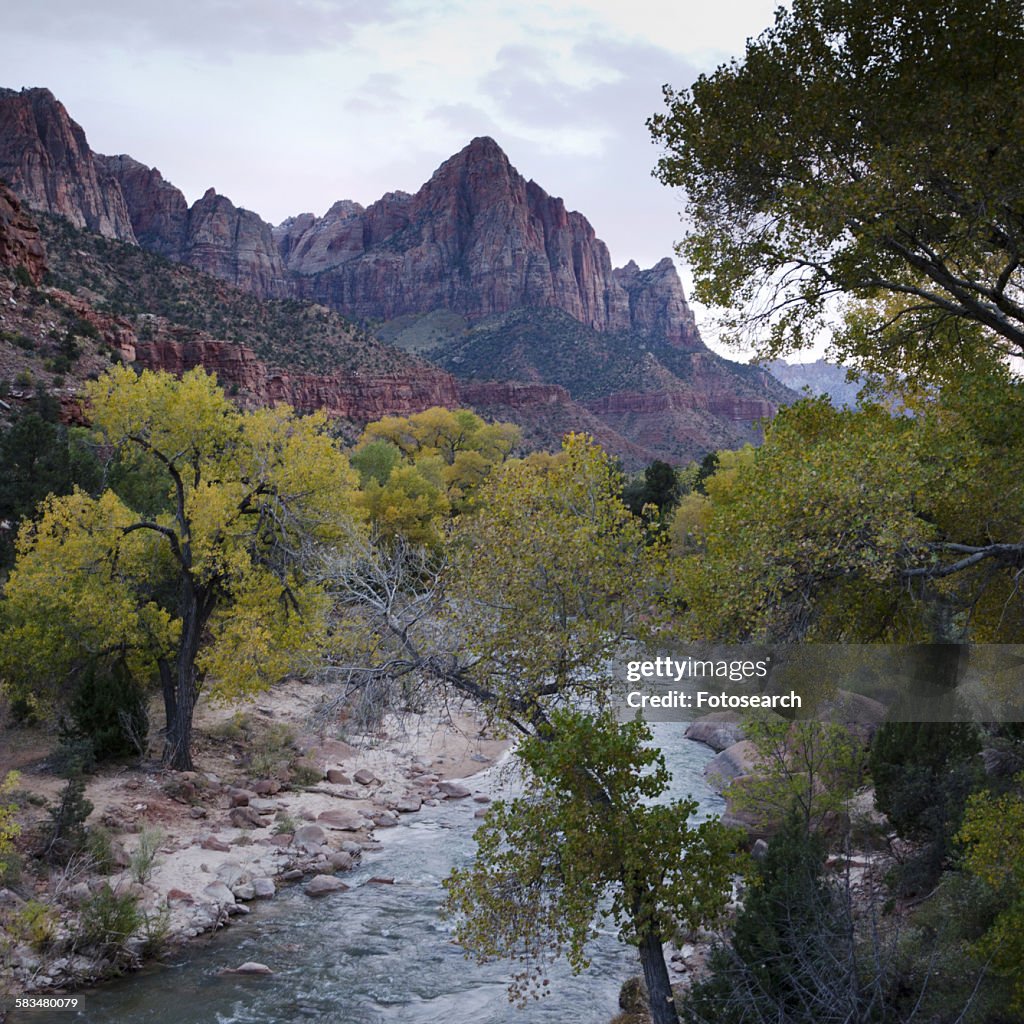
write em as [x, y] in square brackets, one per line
[867, 151]
[586, 839]
[858, 525]
[544, 580]
[208, 583]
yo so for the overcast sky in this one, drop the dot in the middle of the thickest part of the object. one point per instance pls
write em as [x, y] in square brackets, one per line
[285, 106]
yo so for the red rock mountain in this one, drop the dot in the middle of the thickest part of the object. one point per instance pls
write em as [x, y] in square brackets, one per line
[516, 275]
[478, 239]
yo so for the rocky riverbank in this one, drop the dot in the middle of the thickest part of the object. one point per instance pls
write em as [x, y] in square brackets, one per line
[189, 851]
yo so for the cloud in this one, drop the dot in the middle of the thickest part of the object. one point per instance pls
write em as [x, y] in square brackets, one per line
[380, 92]
[209, 28]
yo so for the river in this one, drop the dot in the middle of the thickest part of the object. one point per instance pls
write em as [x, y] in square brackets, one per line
[378, 953]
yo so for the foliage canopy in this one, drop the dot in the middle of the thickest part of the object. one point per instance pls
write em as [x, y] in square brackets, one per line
[869, 150]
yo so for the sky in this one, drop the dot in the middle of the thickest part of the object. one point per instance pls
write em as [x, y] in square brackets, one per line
[286, 106]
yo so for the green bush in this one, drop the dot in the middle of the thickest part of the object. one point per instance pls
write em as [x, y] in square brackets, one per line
[143, 859]
[109, 707]
[67, 833]
[106, 921]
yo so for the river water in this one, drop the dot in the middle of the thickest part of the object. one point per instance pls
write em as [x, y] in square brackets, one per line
[376, 954]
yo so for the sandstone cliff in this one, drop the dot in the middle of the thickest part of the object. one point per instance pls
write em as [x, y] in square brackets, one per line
[45, 159]
[478, 239]
[20, 245]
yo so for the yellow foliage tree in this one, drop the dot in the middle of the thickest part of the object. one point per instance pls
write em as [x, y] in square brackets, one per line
[209, 584]
[417, 470]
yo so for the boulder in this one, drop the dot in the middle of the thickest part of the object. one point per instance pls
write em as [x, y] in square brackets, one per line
[340, 860]
[246, 817]
[718, 730]
[342, 819]
[338, 777]
[263, 888]
[453, 790]
[219, 893]
[321, 885]
[252, 967]
[738, 759]
[231, 873]
[263, 805]
[365, 777]
[309, 838]
[213, 843]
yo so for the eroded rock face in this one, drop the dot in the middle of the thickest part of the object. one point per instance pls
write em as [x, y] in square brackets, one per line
[234, 245]
[348, 396]
[158, 211]
[478, 239]
[20, 245]
[46, 160]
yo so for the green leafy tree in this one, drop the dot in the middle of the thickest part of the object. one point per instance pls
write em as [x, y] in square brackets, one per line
[858, 525]
[792, 955]
[38, 456]
[587, 839]
[551, 554]
[993, 834]
[806, 768]
[211, 587]
[923, 773]
[416, 471]
[868, 151]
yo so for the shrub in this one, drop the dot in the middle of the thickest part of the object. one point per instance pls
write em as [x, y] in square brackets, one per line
[272, 751]
[37, 925]
[107, 920]
[109, 707]
[143, 859]
[68, 836]
[100, 847]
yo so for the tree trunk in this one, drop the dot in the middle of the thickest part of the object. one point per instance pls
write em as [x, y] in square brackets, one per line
[196, 606]
[659, 990]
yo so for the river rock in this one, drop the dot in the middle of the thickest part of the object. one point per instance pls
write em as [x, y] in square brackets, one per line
[213, 843]
[309, 838]
[267, 787]
[383, 818]
[252, 967]
[263, 888]
[244, 891]
[738, 759]
[246, 817]
[340, 860]
[718, 730]
[231, 873]
[321, 885]
[453, 790]
[342, 819]
[219, 893]
[365, 777]
[338, 777]
[264, 806]
[409, 804]
[240, 797]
